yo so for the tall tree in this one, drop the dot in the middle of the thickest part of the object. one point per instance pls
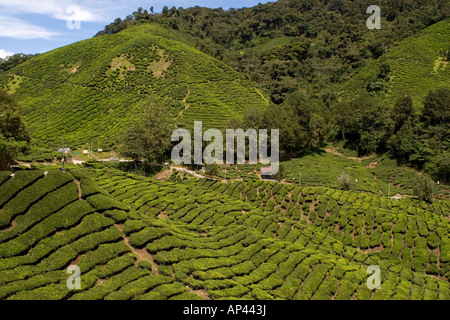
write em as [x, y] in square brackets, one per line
[342, 117]
[436, 109]
[424, 188]
[150, 138]
[252, 118]
[402, 113]
[368, 125]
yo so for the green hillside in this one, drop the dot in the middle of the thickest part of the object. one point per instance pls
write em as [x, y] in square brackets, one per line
[416, 68]
[91, 90]
[138, 238]
[140, 228]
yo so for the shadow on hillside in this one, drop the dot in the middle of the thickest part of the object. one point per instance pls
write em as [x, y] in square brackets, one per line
[137, 168]
[296, 155]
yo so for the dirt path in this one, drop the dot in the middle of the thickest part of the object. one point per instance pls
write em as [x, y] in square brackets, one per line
[334, 151]
[80, 192]
[141, 254]
[188, 171]
[164, 175]
[186, 105]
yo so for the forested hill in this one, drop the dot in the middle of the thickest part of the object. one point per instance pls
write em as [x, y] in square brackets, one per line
[297, 44]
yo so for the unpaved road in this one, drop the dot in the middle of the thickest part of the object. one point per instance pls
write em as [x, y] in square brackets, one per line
[188, 171]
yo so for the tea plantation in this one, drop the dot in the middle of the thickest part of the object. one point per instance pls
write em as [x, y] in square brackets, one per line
[92, 90]
[140, 238]
[416, 67]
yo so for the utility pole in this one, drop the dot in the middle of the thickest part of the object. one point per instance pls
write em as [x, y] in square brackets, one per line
[63, 160]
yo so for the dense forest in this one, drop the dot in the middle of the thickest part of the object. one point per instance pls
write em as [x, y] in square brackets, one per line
[301, 51]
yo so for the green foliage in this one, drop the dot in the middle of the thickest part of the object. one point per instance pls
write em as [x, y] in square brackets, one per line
[212, 169]
[149, 139]
[92, 91]
[344, 181]
[366, 125]
[14, 60]
[411, 61]
[424, 188]
[136, 237]
[289, 45]
[14, 137]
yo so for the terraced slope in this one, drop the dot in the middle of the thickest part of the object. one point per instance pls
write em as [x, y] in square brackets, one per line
[406, 232]
[49, 222]
[137, 238]
[303, 255]
[416, 67]
[91, 90]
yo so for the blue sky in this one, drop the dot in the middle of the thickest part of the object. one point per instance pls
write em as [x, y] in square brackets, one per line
[37, 26]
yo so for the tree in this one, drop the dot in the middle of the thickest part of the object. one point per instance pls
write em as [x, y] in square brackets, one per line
[14, 60]
[212, 169]
[402, 143]
[367, 127]
[252, 118]
[317, 131]
[424, 188]
[443, 166]
[233, 123]
[436, 109]
[150, 138]
[342, 117]
[344, 181]
[312, 116]
[439, 167]
[14, 136]
[292, 136]
[384, 71]
[402, 113]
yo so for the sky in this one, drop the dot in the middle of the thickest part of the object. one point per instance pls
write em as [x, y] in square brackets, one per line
[38, 26]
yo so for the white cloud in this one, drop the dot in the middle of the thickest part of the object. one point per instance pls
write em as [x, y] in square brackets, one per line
[57, 9]
[4, 53]
[19, 29]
